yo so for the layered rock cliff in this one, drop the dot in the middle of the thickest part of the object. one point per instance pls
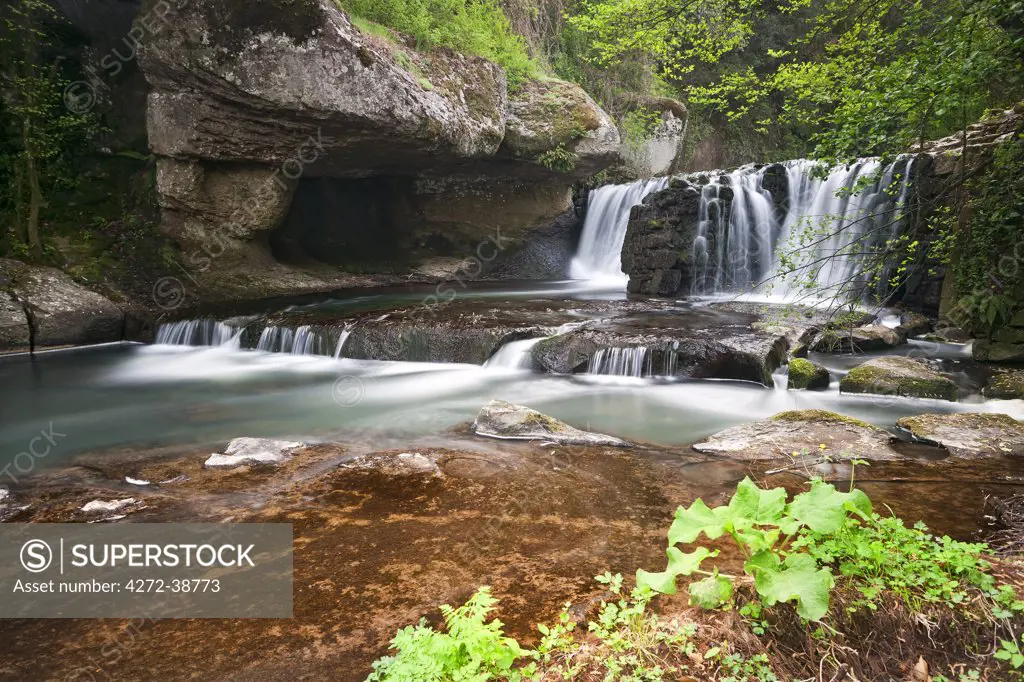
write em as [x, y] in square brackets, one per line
[286, 135]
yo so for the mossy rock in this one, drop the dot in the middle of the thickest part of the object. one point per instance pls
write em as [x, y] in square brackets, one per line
[548, 114]
[804, 374]
[499, 419]
[894, 375]
[986, 350]
[969, 434]
[1007, 385]
[821, 416]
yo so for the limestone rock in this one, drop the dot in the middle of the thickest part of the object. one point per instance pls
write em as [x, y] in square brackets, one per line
[61, 311]
[398, 464]
[500, 419]
[866, 338]
[806, 374]
[801, 432]
[969, 434]
[244, 451]
[895, 375]
[108, 506]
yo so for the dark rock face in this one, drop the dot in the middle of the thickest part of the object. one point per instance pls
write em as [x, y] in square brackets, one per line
[42, 307]
[547, 252]
[1006, 385]
[657, 252]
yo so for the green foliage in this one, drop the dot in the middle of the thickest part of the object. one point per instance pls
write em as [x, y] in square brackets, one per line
[639, 125]
[762, 524]
[862, 78]
[471, 650]
[477, 27]
[42, 142]
[559, 159]
[989, 271]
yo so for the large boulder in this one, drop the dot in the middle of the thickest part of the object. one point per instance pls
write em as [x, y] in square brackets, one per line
[894, 375]
[866, 338]
[42, 306]
[799, 434]
[987, 350]
[968, 434]
[500, 419]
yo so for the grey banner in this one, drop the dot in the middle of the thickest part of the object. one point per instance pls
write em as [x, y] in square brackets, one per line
[146, 570]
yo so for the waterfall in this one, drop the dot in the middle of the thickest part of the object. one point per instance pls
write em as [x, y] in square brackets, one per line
[342, 338]
[628, 362]
[599, 256]
[198, 333]
[514, 355]
[815, 236]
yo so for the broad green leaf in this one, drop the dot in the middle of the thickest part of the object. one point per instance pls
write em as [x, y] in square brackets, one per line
[757, 505]
[797, 579]
[823, 509]
[679, 563]
[689, 523]
[711, 592]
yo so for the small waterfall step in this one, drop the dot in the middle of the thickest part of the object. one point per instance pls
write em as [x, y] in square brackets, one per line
[514, 355]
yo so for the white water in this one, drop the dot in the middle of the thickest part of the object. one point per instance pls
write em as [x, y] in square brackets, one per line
[598, 259]
[745, 240]
[198, 333]
[514, 355]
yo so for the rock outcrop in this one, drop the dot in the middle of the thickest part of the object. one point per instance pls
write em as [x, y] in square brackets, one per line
[247, 107]
[894, 375]
[857, 340]
[1005, 385]
[802, 434]
[968, 434]
[500, 419]
[43, 307]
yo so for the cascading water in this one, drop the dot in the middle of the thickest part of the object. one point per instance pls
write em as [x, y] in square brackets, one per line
[198, 333]
[816, 246]
[599, 256]
[514, 355]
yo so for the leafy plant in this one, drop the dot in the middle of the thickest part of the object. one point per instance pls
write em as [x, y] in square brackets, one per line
[1010, 651]
[558, 159]
[763, 526]
[472, 649]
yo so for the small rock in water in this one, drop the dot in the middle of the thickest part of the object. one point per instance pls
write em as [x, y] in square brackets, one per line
[801, 433]
[97, 506]
[243, 451]
[4, 494]
[499, 419]
[135, 481]
[898, 376]
[397, 464]
[968, 434]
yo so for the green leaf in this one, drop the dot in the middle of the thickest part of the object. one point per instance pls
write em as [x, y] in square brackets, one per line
[760, 506]
[690, 523]
[797, 579]
[679, 563]
[711, 592]
[823, 509]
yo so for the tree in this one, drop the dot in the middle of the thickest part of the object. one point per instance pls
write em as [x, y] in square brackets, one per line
[41, 135]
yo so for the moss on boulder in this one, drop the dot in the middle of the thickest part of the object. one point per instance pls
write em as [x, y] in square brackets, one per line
[1007, 385]
[899, 376]
[804, 374]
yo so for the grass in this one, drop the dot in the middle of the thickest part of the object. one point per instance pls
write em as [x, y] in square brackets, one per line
[476, 27]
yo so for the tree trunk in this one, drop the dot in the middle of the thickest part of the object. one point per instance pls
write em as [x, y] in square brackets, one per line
[35, 201]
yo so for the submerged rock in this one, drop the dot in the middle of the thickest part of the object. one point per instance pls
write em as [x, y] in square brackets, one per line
[243, 451]
[895, 375]
[866, 338]
[397, 464]
[801, 432]
[969, 434]
[1008, 385]
[806, 374]
[500, 419]
[101, 506]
